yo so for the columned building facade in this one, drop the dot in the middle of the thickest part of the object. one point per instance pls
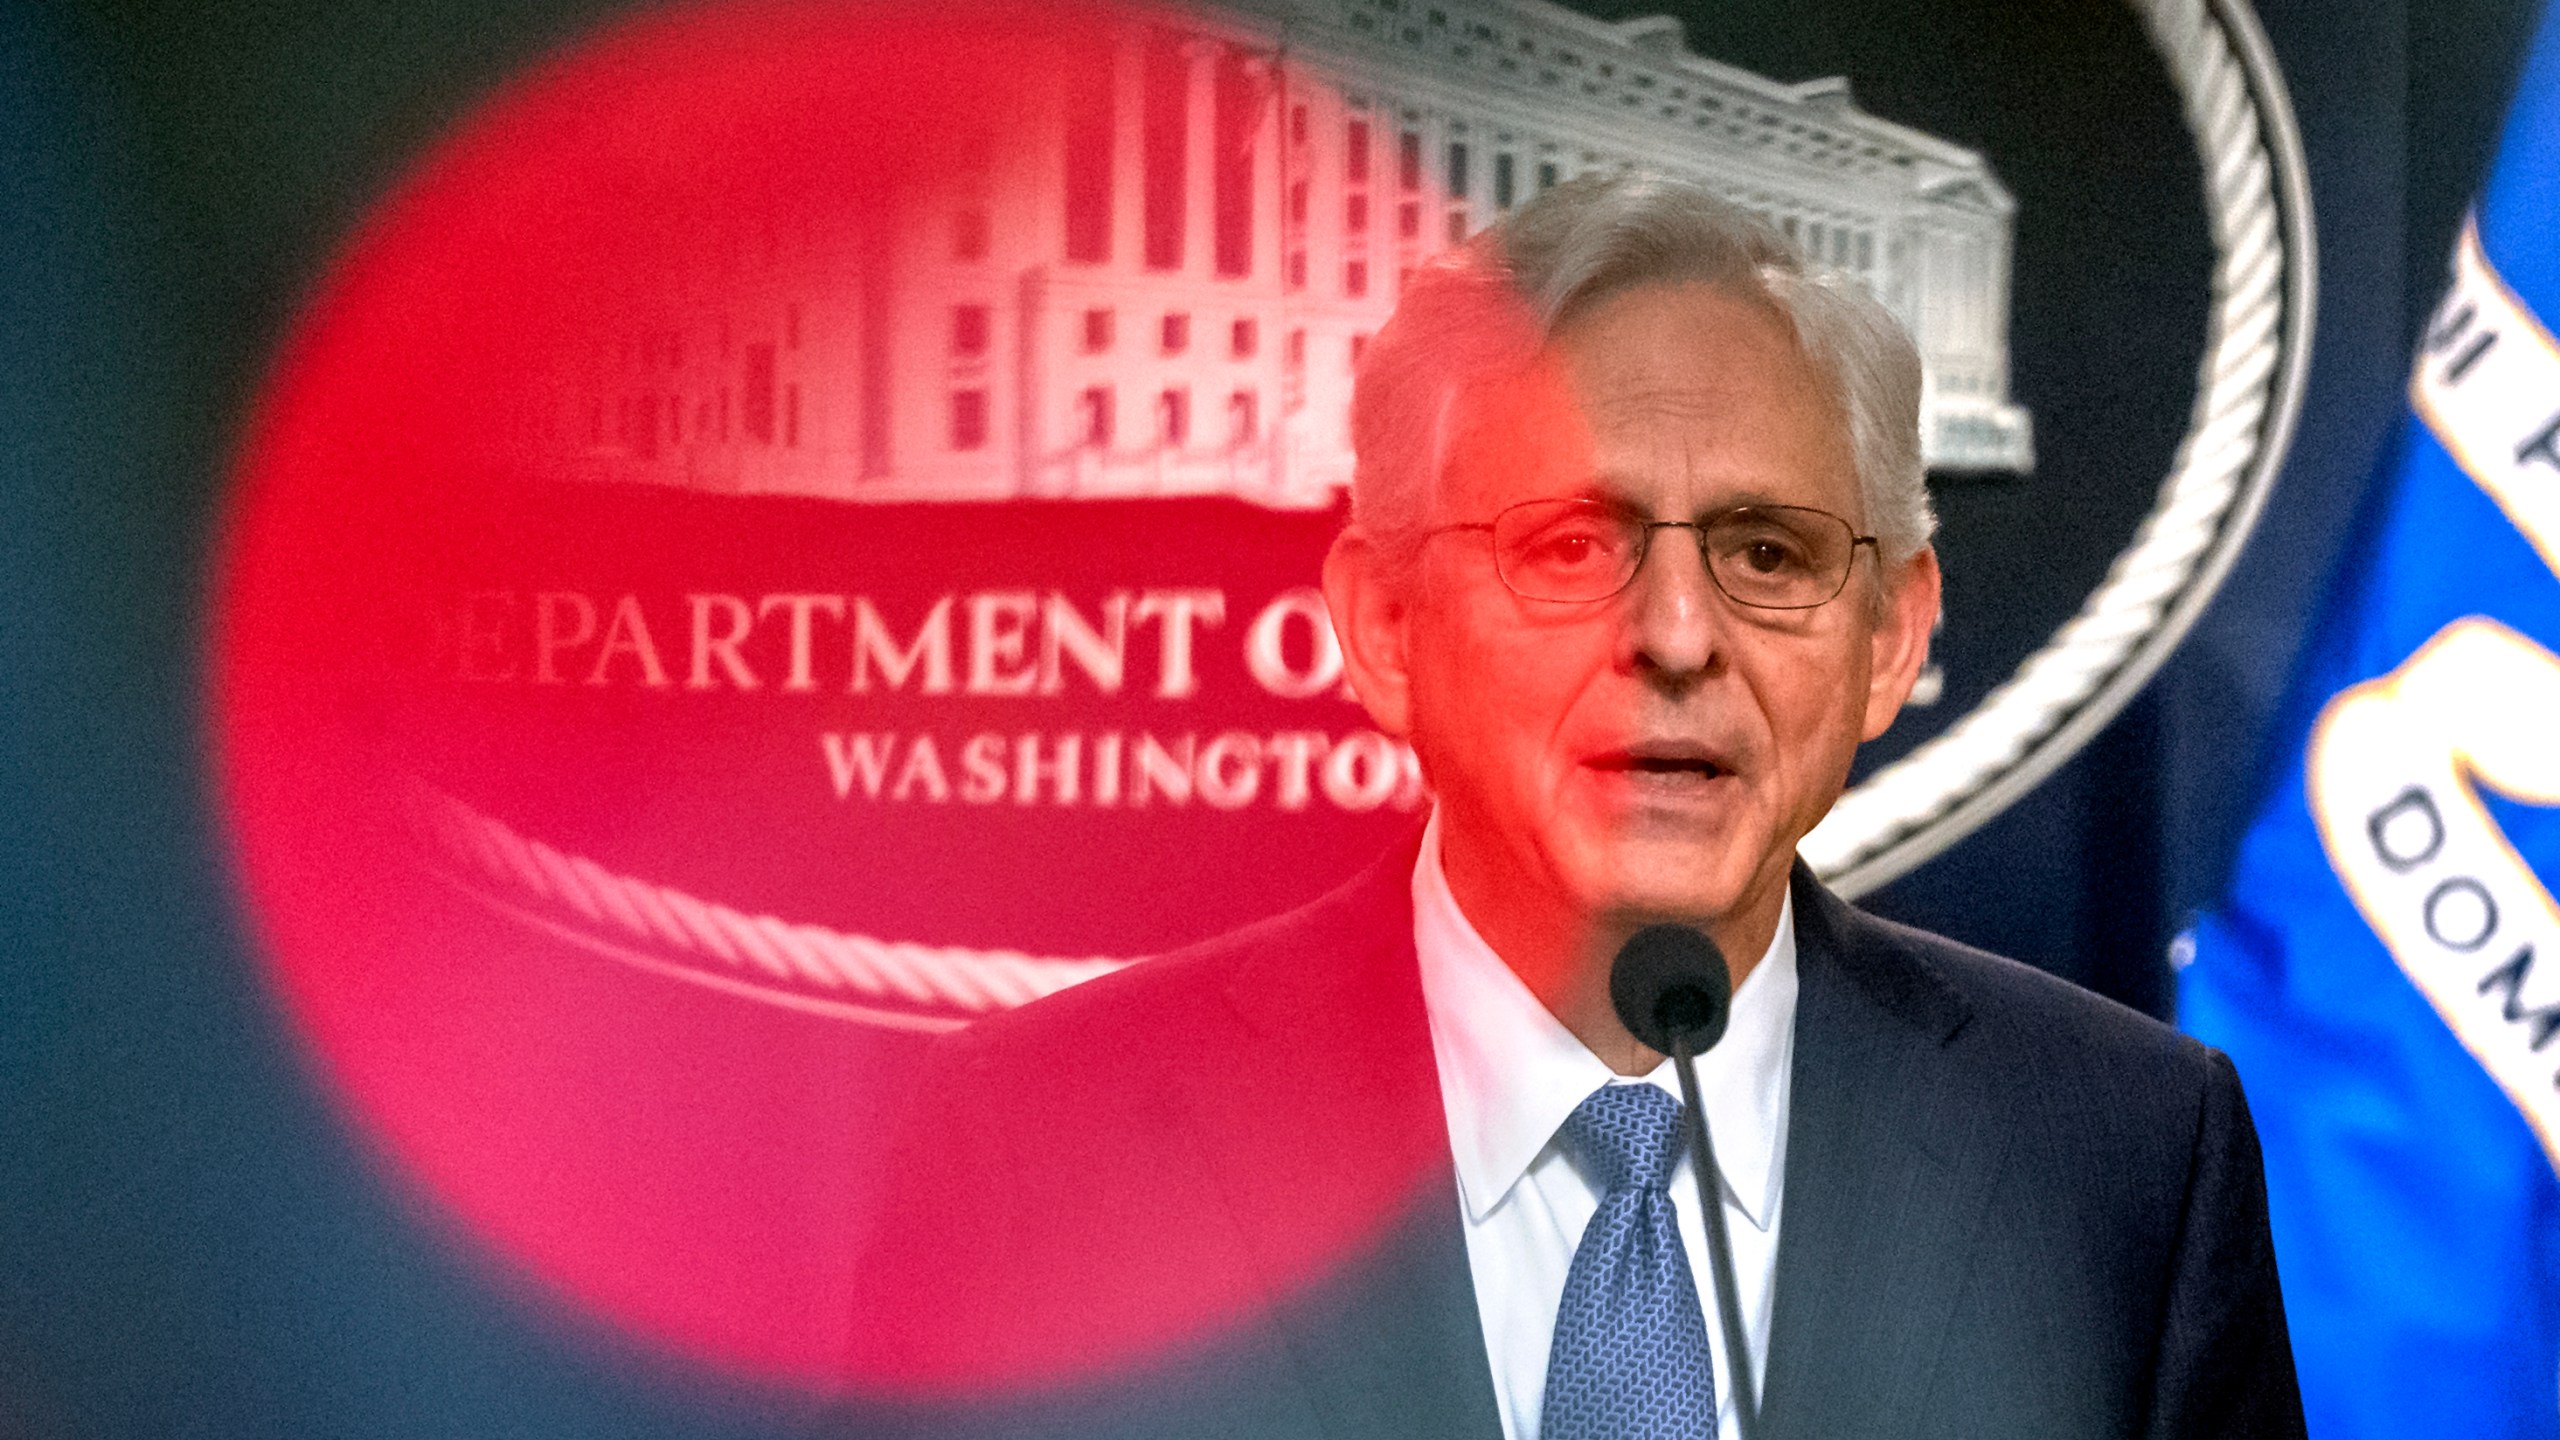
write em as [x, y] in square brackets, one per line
[1163, 286]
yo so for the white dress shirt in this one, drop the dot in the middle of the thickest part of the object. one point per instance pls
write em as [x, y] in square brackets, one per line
[1510, 1074]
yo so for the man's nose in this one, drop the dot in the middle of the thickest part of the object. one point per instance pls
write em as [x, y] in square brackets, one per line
[1675, 614]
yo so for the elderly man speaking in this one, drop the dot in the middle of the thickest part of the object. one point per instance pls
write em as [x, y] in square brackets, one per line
[1639, 555]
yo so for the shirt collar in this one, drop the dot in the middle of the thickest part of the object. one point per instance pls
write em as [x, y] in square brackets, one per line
[1510, 1073]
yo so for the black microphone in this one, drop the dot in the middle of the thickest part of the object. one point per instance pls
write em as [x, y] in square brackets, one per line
[1673, 992]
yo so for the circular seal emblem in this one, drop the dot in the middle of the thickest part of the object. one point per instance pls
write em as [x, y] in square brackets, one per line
[2248, 393]
[796, 529]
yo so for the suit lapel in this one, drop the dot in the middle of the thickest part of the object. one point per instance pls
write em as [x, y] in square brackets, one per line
[1328, 1141]
[1889, 1165]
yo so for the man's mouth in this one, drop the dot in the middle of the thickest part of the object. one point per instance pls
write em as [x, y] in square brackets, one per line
[1668, 763]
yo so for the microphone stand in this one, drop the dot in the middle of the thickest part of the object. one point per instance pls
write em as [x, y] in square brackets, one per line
[1702, 1154]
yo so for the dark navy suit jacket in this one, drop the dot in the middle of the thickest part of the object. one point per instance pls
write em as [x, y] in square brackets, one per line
[1212, 1195]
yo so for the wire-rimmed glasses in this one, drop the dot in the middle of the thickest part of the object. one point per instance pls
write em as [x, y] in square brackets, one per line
[1769, 557]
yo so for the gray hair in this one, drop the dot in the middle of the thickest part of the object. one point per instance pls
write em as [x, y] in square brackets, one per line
[1482, 310]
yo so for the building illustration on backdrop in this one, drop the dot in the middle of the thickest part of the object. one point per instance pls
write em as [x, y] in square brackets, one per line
[1165, 289]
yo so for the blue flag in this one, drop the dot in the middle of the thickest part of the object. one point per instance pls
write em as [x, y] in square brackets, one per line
[2386, 968]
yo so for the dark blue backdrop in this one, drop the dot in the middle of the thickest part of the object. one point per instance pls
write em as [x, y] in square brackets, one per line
[190, 1242]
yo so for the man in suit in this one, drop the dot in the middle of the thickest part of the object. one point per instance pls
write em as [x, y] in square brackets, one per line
[1638, 557]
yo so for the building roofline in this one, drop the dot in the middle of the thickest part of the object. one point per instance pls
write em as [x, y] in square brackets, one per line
[1658, 44]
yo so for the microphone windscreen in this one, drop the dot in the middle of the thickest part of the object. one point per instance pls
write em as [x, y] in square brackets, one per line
[1671, 980]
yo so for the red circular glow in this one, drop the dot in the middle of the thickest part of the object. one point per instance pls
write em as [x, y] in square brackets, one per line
[489, 715]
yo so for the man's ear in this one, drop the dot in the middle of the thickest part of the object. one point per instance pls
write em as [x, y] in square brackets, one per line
[1900, 644]
[1369, 617]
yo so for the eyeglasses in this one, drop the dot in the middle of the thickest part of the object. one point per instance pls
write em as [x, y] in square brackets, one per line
[1769, 557]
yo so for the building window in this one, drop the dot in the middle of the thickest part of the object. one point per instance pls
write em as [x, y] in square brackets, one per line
[756, 406]
[1457, 227]
[1235, 113]
[1165, 141]
[1355, 152]
[1088, 159]
[1297, 269]
[1296, 351]
[1866, 250]
[1177, 332]
[1546, 175]
[968, 419]
[969, 331]
[1097, 331]
[1458, 170]
[1502, 181]
[1243, 338]
[791, 415]
[1409, 220]
[1297, 124]
[969, 234]
[1298, 203]
[1355, 214]
[1173, 411]
[1242, 419]
[1355, 278]
[1409, 160]
[1359, 347]
[1093, 410]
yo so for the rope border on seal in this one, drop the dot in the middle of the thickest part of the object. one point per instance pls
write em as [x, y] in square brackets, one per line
[892, 983]
[2250, 385]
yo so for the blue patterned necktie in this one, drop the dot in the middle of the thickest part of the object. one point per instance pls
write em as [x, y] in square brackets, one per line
[1630, 1358]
